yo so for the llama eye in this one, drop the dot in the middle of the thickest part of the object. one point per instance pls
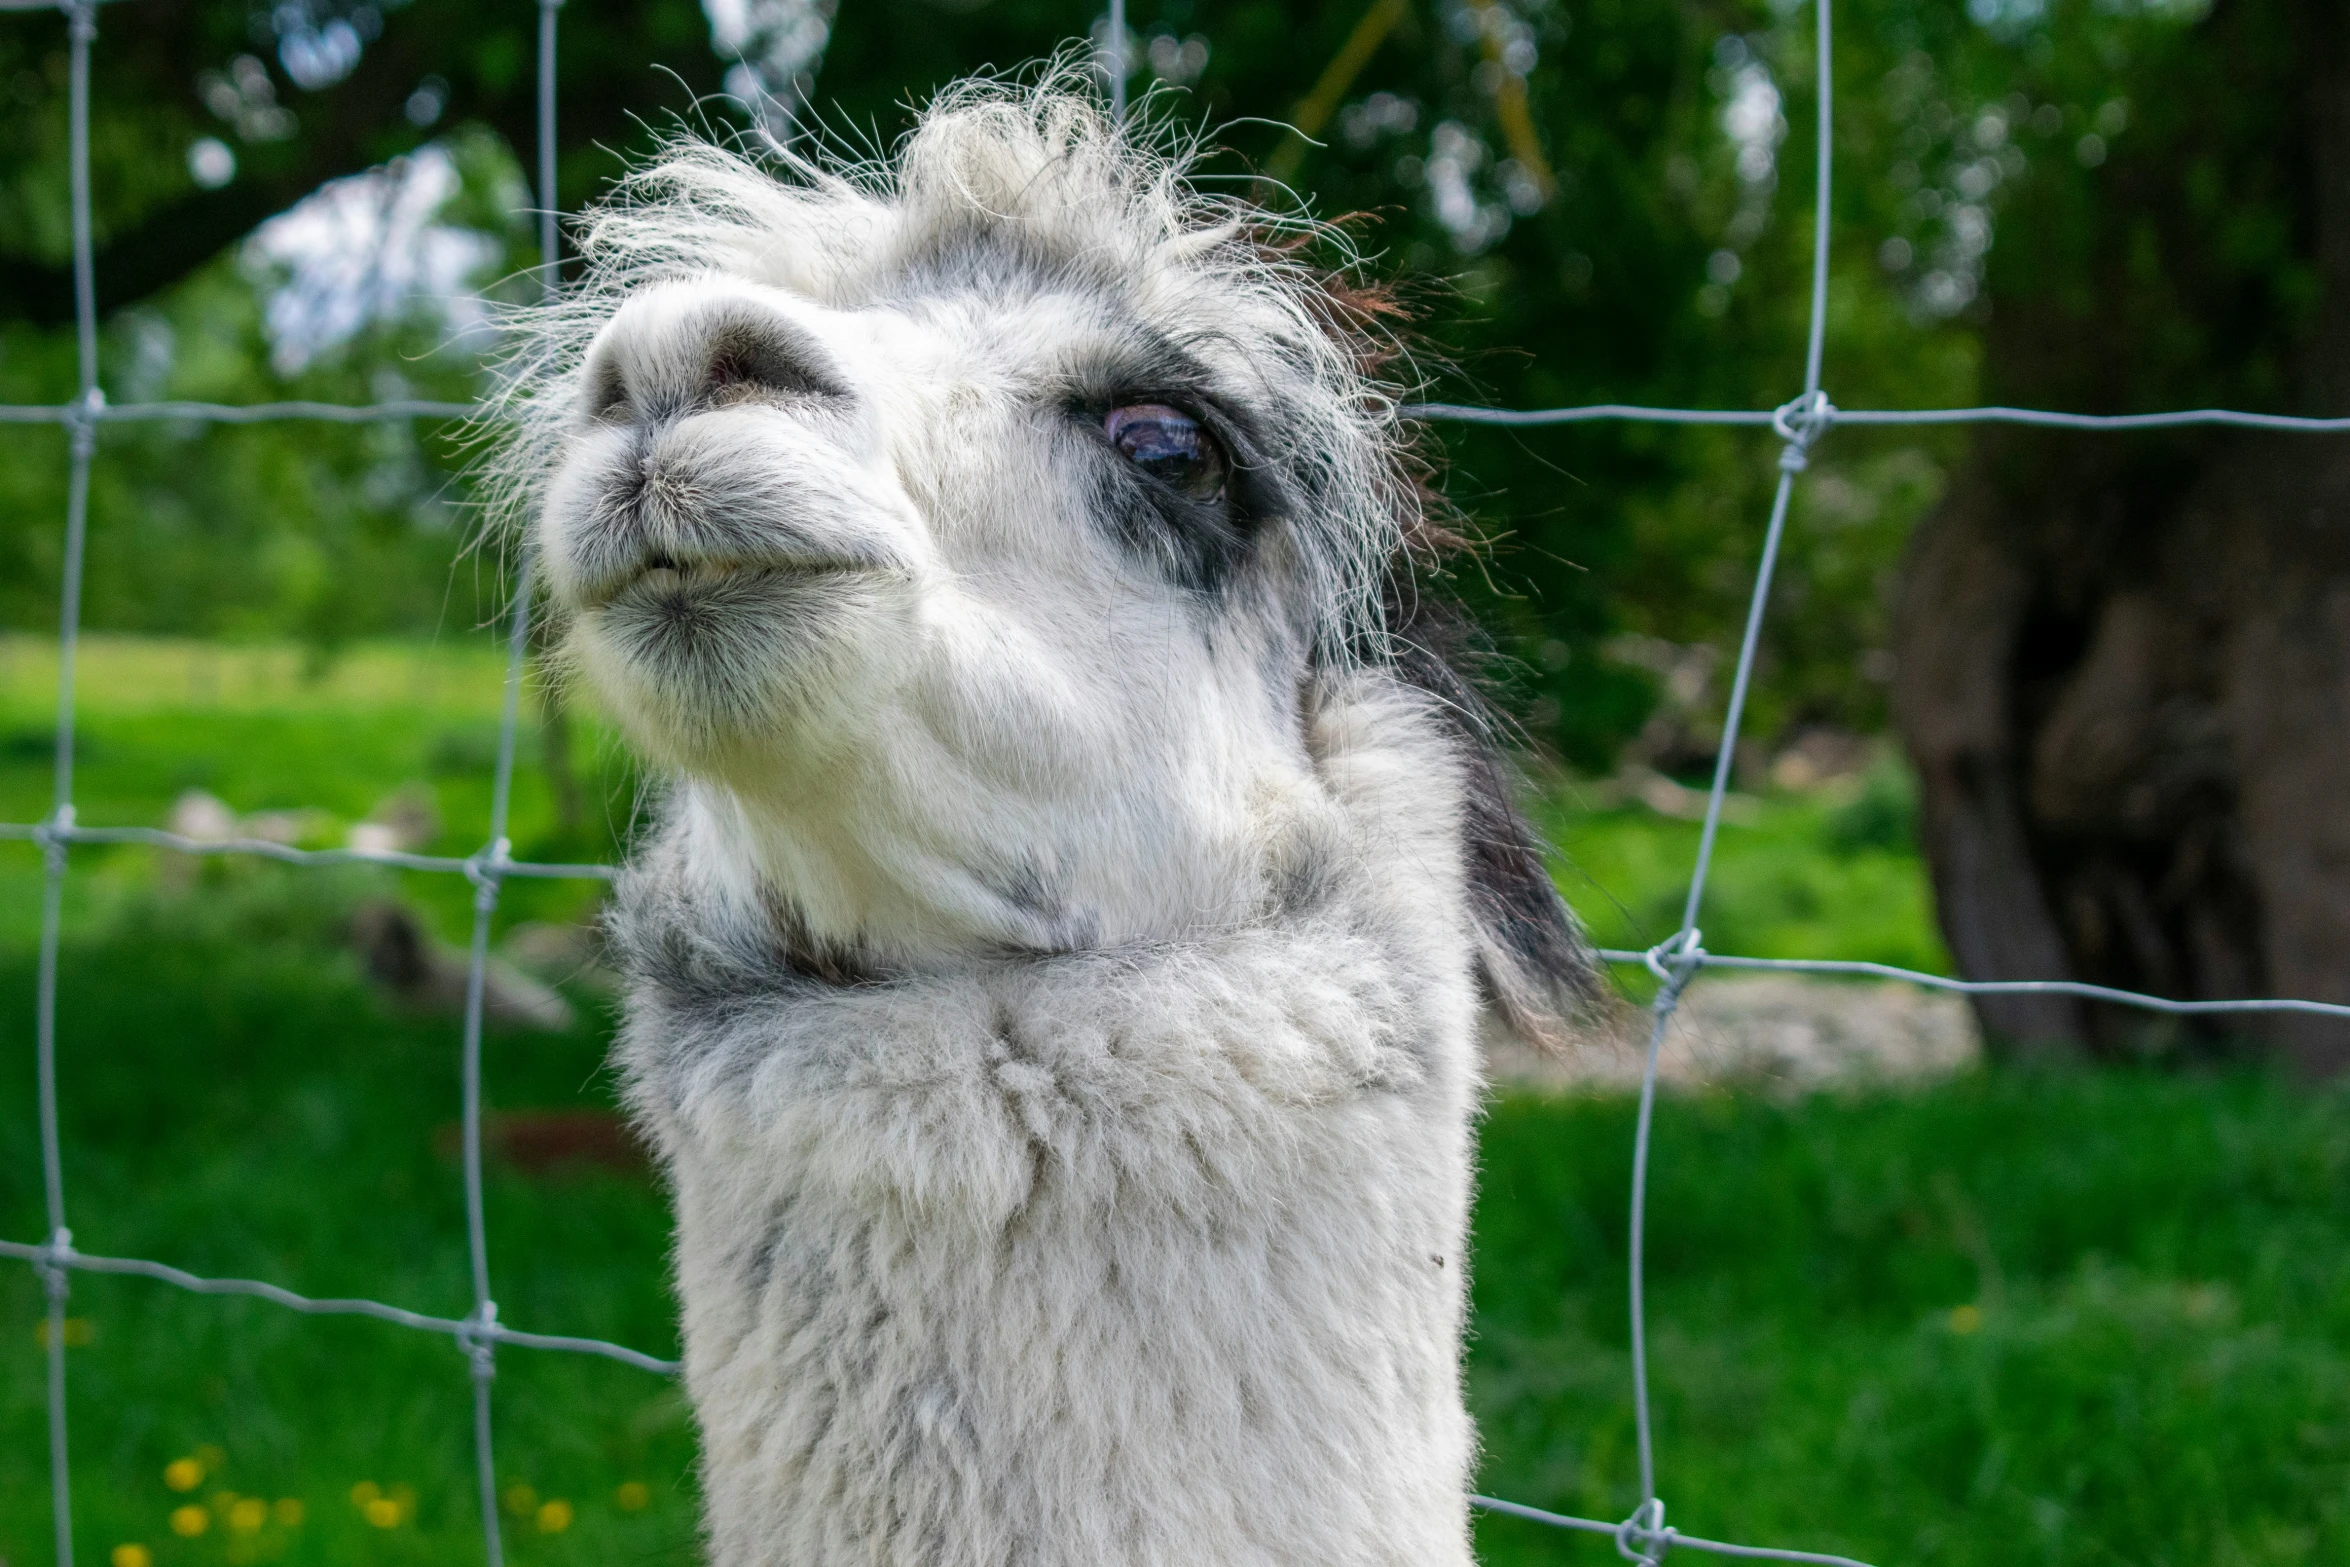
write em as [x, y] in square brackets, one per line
[1170, 446]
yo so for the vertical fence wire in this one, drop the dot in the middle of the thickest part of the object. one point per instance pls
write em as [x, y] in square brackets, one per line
[82, 434]
[488, 876]
[550, 234]
[1114, 60]
[1823, 170]
[1799, 424]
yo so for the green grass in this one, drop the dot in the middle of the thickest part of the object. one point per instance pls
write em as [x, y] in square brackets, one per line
[2161, 1372]
[2078, 1319]
[237, 1103]
[2152, 1366]
[266, 731]
[1833, 874]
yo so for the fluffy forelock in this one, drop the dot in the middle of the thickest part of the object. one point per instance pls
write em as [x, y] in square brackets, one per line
[1034, 182]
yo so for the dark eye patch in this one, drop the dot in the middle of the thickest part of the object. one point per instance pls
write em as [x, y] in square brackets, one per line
[1187, 506]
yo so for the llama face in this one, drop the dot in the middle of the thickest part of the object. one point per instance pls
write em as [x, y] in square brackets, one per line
[972, 603]
[975, 535]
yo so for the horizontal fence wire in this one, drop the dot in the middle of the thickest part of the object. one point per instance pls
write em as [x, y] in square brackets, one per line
[236, 413]
[1629, 1537]
[1657, 959]
[1800, 424]
[270, 849]
[1632, 413]
[460, 1328]
[1434, 413]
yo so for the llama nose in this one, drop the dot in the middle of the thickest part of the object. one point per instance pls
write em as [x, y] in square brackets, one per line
[675, 350]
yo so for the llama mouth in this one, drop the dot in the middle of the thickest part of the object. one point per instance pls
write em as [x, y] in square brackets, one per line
[666, 577]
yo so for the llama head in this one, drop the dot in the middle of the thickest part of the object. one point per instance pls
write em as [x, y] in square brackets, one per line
[968, 533]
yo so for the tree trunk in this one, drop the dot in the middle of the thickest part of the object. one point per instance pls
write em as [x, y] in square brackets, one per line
[2129, 707]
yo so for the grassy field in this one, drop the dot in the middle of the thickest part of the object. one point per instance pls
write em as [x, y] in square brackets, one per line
[264, 731]
[1832, 873]
[2012, 1318]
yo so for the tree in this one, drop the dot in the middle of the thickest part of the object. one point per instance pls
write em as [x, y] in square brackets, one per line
[2125, 664]
[165, 74]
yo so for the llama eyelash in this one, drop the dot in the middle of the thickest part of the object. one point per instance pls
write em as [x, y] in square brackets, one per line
[1197, 544]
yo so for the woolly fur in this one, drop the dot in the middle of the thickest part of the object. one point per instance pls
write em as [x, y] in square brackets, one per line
[1055, 982]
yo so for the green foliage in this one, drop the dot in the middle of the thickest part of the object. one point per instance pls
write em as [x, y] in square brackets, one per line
[1617, 252]
[325, 532]
[164, 76]
[1884, 815]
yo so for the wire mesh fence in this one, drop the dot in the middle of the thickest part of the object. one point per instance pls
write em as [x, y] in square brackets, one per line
[1678, 961]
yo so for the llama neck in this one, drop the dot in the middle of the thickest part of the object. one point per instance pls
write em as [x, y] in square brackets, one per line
[852, 866]
[1138, 1255]
[1154, 1256]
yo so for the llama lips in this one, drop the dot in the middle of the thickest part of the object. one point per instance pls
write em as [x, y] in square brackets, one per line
[663, 576]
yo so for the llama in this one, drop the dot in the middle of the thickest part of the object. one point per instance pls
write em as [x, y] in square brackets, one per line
[1055, 979]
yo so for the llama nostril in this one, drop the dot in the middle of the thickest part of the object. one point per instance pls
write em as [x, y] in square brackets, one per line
[671, 351]
[608, 393]
[763, 356]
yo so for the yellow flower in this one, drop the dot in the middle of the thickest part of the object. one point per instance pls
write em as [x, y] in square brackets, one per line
[633, 1496]
[183, 1474]
[188, 1522]
[364, 1492]
[555, 1517]
[132, 1556]
[247, 1514]
[522, 1500]
[290, 1511]
[1965, 1319]
[383, 1512]
[78, 1332]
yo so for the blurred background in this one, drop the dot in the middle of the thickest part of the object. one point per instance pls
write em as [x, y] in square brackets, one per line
[2041, 1281]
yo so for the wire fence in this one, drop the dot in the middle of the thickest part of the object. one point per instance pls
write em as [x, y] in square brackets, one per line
[1801, 423]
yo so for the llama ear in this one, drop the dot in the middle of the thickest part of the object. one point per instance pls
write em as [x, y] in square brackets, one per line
[1537, 968]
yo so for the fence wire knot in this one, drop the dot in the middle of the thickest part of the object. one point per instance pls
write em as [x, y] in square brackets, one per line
[82, 416]
[1800, 423]
[1643, 1537]
[53, 834]
[478, 1337]
[52, 1260]
[1675, 961]
[486, 867]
